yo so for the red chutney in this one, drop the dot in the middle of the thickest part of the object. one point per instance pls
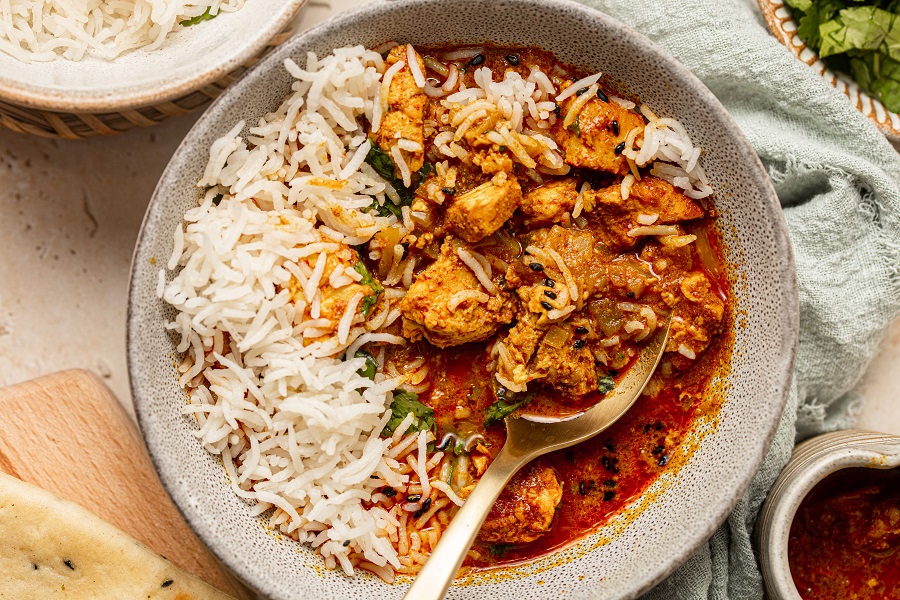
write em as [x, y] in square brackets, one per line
[845, 536]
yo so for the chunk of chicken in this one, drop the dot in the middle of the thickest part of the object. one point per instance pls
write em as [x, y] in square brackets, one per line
[565, 367]
[546, 205]
[339, 271]
[698, 314]
[601, 126]
[481, 211]
[428, 307]
[525, 509]
[657, 200]
[405, 117]
[546, 302]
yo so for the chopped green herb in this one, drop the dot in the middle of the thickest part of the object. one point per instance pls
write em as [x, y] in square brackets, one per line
[206, 16]
[500, 549]
[858, 37]
[502, 148]
[379, 160]
[403, 404]
[501, 409]
[371, 365]
[606, 384]
[369, 301]
[575, 128]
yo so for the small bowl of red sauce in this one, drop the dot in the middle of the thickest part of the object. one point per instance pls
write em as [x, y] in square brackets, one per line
[830, 527]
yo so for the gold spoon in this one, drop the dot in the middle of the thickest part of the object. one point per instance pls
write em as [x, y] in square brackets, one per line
[527, 437]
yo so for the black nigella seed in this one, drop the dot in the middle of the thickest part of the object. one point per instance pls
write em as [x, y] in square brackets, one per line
[619, 148]
[581, 91]
[658, 449]
[477, 60]
[607, 463]
[629, 294]
[167, 583]
[425, 506]
[603, 97]
[607, 496]
[647, 427]
[405, 250]
[512, 59]
[549, 294]
[34, 565]
[609, 446]
[452, 191]
[69, 564]
[546, 305]
[557, 110]
[389, 492]
[549, 283]
[609, 483]
[536, 266]
[615, 127]
[579, 344]
[413, 497]
[346, 543]
[583, 487]
[663, 461]
[658, 426]
[581, 330]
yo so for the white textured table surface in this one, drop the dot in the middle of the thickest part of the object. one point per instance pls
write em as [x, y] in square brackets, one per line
[70, 213]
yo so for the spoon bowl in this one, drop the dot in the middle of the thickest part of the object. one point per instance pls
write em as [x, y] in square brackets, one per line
[527, 437]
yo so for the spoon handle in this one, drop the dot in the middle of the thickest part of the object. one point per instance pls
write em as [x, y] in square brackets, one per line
[439, 571]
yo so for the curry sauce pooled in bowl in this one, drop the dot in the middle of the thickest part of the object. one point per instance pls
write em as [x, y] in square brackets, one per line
[416, 244]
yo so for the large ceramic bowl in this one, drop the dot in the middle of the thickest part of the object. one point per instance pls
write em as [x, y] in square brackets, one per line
[189, 60]
[683, 508]
[812, 461]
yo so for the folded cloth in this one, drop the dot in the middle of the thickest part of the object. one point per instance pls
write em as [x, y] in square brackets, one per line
[838, 180]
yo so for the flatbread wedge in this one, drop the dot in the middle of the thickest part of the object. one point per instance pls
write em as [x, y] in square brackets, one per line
[51, 548]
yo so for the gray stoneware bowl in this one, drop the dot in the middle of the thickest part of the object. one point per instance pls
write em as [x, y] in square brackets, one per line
[811, 462]
[681, 510]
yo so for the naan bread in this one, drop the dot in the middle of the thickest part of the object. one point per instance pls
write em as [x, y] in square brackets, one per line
[51, 548]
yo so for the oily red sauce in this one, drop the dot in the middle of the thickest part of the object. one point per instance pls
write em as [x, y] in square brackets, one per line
[845, 536]
[601, 476]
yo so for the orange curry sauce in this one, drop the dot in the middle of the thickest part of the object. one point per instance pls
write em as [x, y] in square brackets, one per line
[845, 536]
[602, 476]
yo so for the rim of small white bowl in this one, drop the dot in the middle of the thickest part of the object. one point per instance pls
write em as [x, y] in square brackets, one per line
[142, 94]
[812, 461]
[700, 529]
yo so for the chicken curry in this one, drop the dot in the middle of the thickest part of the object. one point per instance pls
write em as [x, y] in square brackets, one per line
[542, 242]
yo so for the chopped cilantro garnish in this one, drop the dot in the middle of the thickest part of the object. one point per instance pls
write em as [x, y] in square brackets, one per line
[403, 404]
[499, 550]
[371, 364]
[206, 16]
[606, 384]
[369, 301]
[501, 409]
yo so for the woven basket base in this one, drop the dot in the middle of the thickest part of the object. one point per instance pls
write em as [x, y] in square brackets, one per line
[71, 126]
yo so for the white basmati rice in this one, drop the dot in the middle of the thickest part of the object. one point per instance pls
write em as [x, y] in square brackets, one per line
[44, 30]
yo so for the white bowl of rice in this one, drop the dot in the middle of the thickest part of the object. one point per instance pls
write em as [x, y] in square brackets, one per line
[273, 445]
[93, 56]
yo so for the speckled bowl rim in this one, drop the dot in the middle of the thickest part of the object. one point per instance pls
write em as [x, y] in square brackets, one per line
[141, 95]
[785, 273]
[811, 462]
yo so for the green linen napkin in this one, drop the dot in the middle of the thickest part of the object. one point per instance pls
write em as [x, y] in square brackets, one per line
[838, 180]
